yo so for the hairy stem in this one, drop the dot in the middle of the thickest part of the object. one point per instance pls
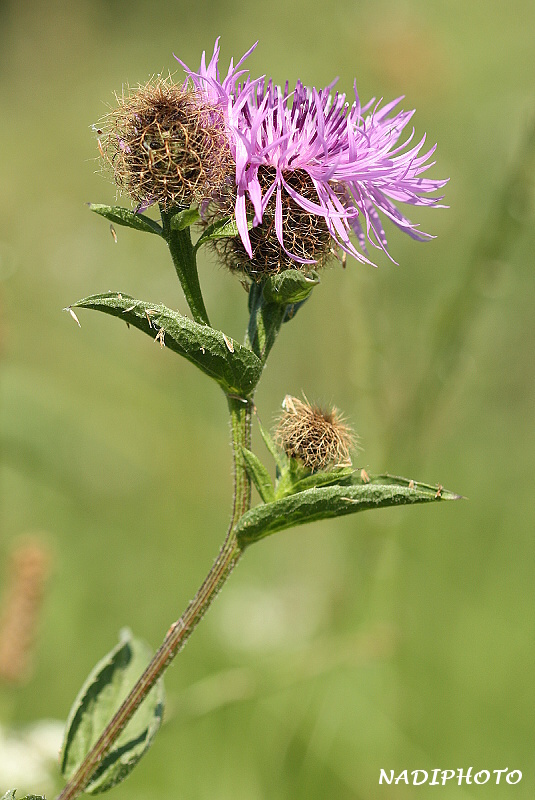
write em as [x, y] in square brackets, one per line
[180, 631]
[185, 262]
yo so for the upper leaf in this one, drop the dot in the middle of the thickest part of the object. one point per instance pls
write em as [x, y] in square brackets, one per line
[290, 286]
[259, 475]
[334, 501]
[184, 219]
[281, 459]
[221, 229]
[124, 216]
[338, 475]
[99, 698]
[232, 365]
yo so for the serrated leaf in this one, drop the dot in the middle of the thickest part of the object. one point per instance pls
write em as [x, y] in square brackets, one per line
[232, 365]
[259, 475]
[290, 286]
[10, 795]
[99, 698]
[185, 218]
[124, 216]
[334, 501]
[222, 229]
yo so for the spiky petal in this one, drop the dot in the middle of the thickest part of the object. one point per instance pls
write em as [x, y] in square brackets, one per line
[354, 156]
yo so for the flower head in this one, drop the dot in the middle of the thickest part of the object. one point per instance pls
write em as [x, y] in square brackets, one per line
[309, 154]
[166, 144]
[307, 237]
[318, 437]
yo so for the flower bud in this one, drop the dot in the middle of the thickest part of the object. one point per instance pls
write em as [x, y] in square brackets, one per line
[319, 438]
[166, 144]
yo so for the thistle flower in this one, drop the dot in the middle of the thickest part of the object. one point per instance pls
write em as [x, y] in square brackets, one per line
[307, 237]
[318, 437]
[166, 144]
[306, 159]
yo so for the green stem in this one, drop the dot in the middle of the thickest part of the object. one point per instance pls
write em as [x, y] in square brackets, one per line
[240, 421]
[181, 630]
[185, 261]
[265, 321]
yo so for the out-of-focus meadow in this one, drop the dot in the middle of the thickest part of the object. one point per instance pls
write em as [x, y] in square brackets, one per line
[401, 639]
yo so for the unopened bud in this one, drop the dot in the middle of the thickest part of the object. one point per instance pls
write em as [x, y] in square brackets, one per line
[319, 438]
[166, 145]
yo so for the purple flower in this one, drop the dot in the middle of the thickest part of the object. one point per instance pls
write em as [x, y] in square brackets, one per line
[222, 93]
[311, 149]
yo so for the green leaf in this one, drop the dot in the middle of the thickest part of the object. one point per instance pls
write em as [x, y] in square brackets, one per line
[259, 475]
[334, 501]
[339, 476]
[10, 795]
[124, 216]
[99, 698]
[232, 365]
[222, 229]
[290, 286]
[185, 218]
[281, 459]
[33, 797]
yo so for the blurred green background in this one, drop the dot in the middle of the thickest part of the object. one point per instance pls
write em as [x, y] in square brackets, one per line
[402, 639]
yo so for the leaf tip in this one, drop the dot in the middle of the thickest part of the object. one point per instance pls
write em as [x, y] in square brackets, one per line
[444, 494]
[73, 315]
[125, 635]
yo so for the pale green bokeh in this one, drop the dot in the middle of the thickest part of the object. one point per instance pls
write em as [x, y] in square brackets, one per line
[401, 639]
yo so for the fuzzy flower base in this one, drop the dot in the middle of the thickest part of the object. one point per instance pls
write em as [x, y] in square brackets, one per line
[166, 144]
[319, 438]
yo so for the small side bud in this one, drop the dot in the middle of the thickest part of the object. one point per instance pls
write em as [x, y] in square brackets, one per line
[166, 144]
[319, 438]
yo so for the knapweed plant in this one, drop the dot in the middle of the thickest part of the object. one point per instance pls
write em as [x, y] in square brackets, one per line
[278, 183]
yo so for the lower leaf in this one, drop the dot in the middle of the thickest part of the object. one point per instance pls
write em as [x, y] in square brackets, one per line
[334, 501]
[99, 698]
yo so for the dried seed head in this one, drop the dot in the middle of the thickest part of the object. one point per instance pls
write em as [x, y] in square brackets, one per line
[305, 235]
[166, 144]
[319, 438]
